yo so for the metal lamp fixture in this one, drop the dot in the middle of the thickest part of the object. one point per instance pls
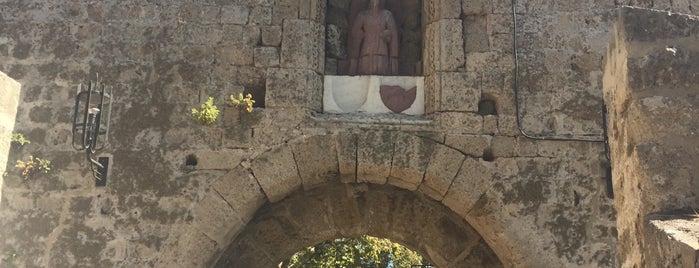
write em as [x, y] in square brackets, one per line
[93, 108]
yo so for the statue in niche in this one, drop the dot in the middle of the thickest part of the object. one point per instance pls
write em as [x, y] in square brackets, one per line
[373, 41]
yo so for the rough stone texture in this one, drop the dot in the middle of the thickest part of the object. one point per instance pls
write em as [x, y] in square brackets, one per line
[374, 156]
[443, 50]
[316, 159]
[671, 240]
[410, 158]
[294, 88]
[545, 204]
[650, 89]
[277, 173]
[302, 45]
[444, 164]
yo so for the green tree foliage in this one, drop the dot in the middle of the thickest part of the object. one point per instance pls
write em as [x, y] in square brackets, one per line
[364, 252]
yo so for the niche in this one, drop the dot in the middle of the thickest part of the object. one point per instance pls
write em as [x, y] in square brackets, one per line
[373, 57]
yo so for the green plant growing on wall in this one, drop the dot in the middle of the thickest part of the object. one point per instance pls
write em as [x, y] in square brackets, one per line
[245, 102]
[33, 165]
[207, 113]
[18, 138]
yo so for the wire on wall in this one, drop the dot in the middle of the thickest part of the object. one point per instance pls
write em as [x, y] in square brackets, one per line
[587, 138]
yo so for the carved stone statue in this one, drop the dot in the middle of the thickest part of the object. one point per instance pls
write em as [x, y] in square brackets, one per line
[373, 43]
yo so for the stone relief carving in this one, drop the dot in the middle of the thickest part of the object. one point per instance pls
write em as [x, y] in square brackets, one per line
[373, 65]
[373, 41]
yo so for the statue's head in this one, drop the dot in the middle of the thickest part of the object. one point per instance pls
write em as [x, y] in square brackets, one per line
[374, 3]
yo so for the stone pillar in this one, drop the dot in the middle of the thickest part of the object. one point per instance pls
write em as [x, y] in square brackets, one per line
[650, 87]
[10, 90]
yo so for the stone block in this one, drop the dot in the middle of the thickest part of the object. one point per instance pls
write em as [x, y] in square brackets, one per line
[503, 146]
[313, 10]
[235, 14]
[435, 10]
[475, 7]
[226, 159]
[216, 219]
[271, 35]
[261, 15]
[241, 191]
[476, 35]
[204, 35]
[490, 124]
[491, 63]
[459, 92]
[294, 88]
[463, 123]
[374, 156]
[284, 10]
[471, 145]
[526, 147]
[208, 137]
[316, 159]
[441, 171]
[472, 181]
[192, 249]
[303, 45]
[277, 173]
[444, 50]
[266, 57]
[507, 125]
[411, 155]
[346, 145]
[251, 35]
[505, 6]
[235, 54]
[552, 148]
[673, 239]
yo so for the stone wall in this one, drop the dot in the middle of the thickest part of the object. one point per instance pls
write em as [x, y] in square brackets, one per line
[650, 87]
[534, 203]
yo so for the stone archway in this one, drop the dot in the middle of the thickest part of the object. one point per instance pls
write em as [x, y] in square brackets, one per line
[334, 210]
[421, 168]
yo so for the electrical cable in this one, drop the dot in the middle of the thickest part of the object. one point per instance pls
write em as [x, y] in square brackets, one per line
[518, 114]
[604, 138]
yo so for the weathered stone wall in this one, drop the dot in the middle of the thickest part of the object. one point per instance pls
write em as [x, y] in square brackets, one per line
[534, 203]
[650, 87]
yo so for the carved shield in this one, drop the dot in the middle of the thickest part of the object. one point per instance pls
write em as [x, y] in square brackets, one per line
[396, 98]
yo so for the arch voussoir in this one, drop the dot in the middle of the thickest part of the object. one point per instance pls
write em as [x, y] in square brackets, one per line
[444, 164]
[316, 160]
[277, 173]
[411, 155]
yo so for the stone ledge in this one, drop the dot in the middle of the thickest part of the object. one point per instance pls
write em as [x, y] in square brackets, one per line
[673, 240]
[378, 119]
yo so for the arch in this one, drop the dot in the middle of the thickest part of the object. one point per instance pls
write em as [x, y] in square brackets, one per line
[335, 210]
[418, 165]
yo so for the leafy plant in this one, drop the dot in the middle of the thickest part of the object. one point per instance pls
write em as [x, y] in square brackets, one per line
[19, 138]
[362, 252]
[33, 165]
[243, 102]
[207, 113]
